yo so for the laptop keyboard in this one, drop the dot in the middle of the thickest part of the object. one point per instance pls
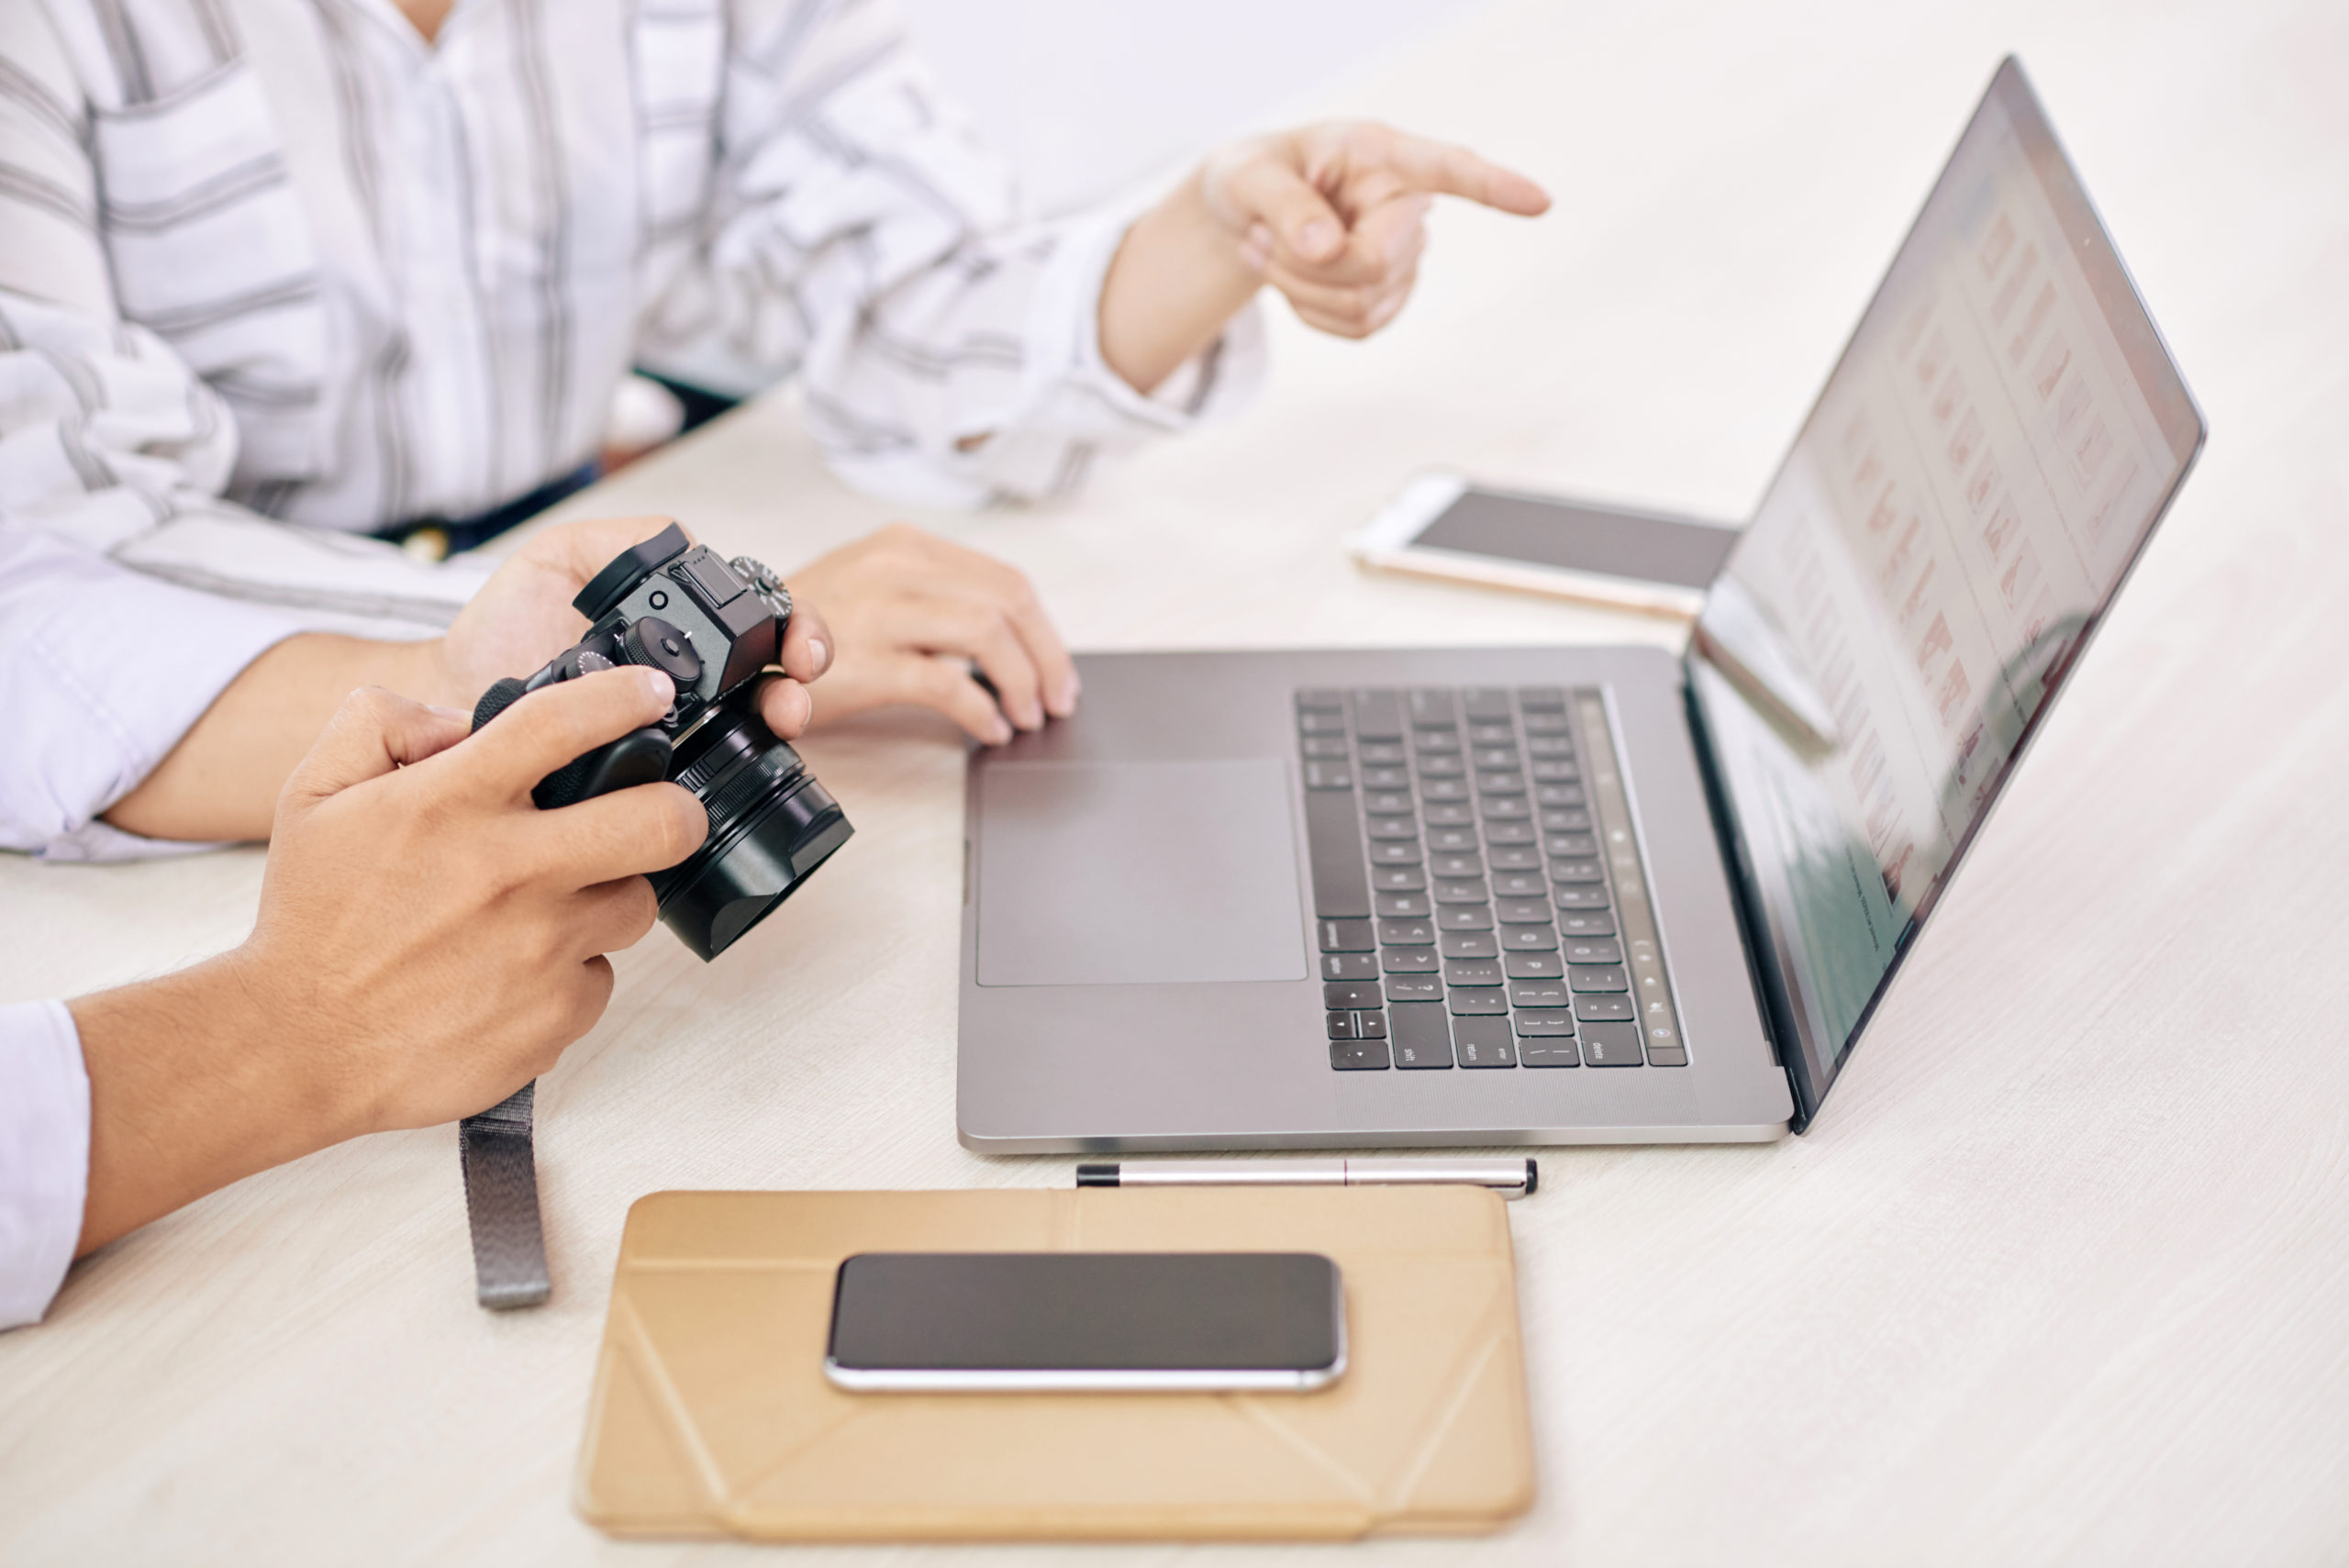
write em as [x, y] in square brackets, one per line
[1478, 891]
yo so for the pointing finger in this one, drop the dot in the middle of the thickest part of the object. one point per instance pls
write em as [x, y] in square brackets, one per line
[1447, 169]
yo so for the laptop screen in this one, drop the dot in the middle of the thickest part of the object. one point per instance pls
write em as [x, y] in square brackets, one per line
[1985, 462]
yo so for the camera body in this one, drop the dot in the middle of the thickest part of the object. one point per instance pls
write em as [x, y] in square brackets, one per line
[712, 626]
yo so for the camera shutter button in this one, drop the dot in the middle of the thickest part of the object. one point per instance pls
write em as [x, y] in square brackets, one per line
[655, 642]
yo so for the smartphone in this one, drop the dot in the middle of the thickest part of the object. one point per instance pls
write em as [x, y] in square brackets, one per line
[951, 1322]
[1441, 526]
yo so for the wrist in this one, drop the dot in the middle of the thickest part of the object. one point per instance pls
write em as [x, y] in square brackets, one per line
[1179, 274]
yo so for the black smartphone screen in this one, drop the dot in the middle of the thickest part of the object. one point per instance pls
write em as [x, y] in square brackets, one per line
[1079, 1313]
[1542, 532]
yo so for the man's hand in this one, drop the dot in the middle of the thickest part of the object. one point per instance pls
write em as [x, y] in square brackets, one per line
[221, 781]
[912, 612]
[428, 941]
[1334, 215]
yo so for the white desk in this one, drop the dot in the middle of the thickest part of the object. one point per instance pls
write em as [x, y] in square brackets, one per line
[2062, 1274]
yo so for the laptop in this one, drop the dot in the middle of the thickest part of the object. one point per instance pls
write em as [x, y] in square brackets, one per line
[1588, 895]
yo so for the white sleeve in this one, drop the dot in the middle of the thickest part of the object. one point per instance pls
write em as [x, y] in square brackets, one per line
[44, 1155]
[950, 353]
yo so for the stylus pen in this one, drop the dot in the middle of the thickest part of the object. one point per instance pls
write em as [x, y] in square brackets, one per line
[1510, 1178]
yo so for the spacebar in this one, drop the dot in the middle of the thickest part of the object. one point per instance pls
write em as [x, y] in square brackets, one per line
[1333, 839]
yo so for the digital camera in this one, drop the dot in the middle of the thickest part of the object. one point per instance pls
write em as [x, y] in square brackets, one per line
[712, 626]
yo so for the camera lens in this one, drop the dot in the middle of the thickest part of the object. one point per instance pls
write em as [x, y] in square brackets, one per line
[771, 825]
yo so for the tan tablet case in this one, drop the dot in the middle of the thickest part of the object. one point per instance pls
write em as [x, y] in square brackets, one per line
[711, 1414]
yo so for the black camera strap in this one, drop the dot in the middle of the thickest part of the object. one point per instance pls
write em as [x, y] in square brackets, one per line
[502, 1203]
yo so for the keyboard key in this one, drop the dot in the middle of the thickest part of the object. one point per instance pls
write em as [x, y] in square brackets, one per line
[1409, 960]
[1494, 756]
[1528, 939]
[1440, 767]
[1464, 890]
[1471, 971]
[1611, 1045]
[1387, 803]
[1448, 814]
[1486, 701]
[1549, 746]
[1579, 897]
[1559, 795]
[1399, 879]
[1346, 936]
[1321, 723]
[1395, 853]
[1357, 1055]
[1548, 1052]
[1340, 1024]
[1406, 933]
[1570, 846]
[1501, 831]
[1333, 845]
[1550, 771]
[1350, 995]
[1455, 865]
[1398, 905]
[1484, 1043]
[1321, 699]
[1515, 857]
[1452, 840]
[1544, 1023]
[1384, 778]
[1476, 1002]
[1541, 699]
[1492, 735]
[1575, 871]
[1470, 944]
[1594, 950]
[1508, 808]
[1414, 988]
[1420, 1033]
[1554, 821]
[1520, 911]
[1349, 966]
[1444, 789]
[1462, 917]
[1430, 708]
[1394, 829]
[1325, 746]
[1383, 753]
[1599, 977]
[1379, 716]
[1603, 1007]
[1532, 965]
[1329, 775]
[1538, 993]
[1545, 724]
[1522, 884]
[1587, 922]
[1500, 784]
[1370, 1026]
[1438, 743]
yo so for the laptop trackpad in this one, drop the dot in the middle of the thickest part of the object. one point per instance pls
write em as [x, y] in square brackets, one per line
[1122, 873]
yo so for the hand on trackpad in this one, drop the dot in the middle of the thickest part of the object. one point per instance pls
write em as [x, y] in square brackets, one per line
[1122, 873]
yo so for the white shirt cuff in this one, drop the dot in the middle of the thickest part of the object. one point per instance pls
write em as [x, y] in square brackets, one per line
[44, 1155]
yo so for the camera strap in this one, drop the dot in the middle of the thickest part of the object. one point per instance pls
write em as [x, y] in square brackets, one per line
[502, 1203]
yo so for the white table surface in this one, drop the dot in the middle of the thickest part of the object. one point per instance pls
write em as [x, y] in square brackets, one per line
[2062, 1272]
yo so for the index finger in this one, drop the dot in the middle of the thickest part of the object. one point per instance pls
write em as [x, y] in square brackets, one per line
[1447, 169]
[549, 727]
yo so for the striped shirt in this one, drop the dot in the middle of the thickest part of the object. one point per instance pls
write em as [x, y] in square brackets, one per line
[281, 262]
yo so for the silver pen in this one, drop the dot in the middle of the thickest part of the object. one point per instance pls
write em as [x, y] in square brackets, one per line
[1510, 1178]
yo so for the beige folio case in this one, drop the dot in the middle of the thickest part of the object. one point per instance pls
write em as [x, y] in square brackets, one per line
[711, 1414]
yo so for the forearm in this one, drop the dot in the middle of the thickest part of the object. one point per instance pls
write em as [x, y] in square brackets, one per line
[190, 1088]
[222, 780]
[1176, 279]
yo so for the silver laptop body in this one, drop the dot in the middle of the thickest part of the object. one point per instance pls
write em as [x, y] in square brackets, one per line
[1594, 894]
